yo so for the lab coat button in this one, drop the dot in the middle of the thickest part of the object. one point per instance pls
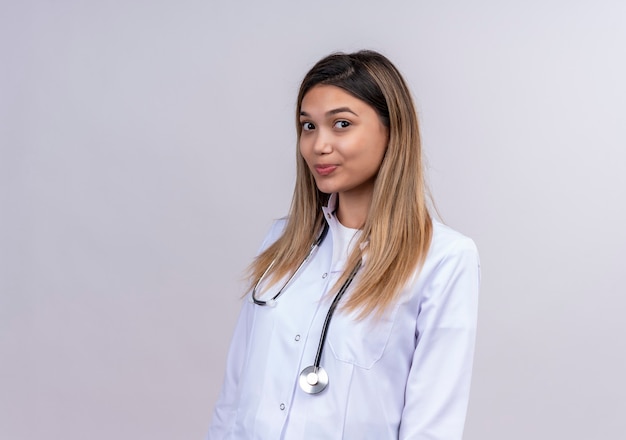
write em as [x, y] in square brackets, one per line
[297, 338]
[282, 406]
[324, 275]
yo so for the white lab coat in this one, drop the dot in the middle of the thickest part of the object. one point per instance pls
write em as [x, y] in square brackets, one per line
[406, 376]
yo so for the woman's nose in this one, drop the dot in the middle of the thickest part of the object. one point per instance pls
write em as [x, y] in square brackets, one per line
[323, 143]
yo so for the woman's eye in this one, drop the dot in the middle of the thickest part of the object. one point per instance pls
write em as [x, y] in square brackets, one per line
[306, 126]
[342, 124]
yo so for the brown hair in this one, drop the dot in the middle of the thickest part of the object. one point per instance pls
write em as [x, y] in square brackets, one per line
[398, 228]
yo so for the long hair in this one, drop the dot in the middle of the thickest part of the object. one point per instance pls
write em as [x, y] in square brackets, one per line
[398, 229]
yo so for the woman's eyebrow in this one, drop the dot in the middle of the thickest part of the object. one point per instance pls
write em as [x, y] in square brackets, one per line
[332, 112]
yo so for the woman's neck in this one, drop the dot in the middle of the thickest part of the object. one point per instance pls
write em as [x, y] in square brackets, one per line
[352, 209]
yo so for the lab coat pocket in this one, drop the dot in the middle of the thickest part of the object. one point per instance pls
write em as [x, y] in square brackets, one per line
[361, 343]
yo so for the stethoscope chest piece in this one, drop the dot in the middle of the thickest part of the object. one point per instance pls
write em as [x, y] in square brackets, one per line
[313, 380]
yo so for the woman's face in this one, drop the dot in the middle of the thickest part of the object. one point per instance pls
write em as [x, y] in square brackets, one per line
[343, 141]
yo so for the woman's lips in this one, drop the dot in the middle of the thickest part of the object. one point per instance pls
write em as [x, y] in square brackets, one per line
[325, 170]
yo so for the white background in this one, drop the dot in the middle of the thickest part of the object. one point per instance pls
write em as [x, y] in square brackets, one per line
[146, 146]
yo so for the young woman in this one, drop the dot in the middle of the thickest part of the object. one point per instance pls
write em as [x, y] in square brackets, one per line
[362, 314]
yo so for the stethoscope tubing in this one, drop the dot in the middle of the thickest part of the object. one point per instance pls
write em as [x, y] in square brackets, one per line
[331, 312]
[313, 379]
[272, 301]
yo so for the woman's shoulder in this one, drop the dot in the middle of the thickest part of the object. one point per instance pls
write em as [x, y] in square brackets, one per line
[278, 225]
[447, 241]
[275, 231]
[451, 255]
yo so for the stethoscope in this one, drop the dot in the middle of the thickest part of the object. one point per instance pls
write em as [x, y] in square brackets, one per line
[313, 379]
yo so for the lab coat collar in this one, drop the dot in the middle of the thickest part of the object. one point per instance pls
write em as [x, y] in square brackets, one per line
[329, 211]
[331, 206]
[332, 220]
